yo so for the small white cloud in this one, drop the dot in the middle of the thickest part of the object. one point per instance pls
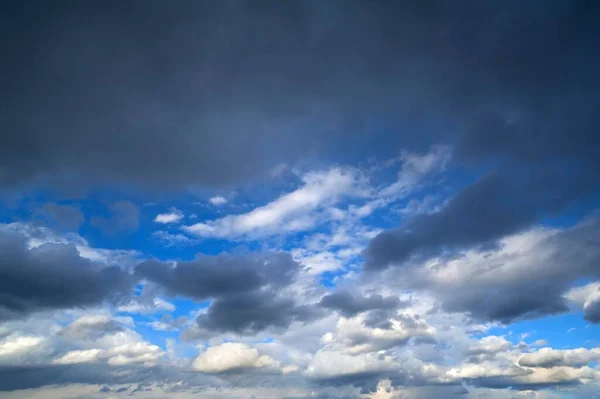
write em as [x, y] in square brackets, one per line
[173, 216]
[218, 200]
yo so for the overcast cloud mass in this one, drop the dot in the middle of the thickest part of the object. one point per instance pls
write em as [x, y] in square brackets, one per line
[311, 199]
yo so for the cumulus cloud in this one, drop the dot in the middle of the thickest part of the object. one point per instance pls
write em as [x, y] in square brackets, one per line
[522, 276]
[52, 276]
[548, 357]
[587, 296]
[332, 365]
[216, 276]
[246, 290]
[490, 345]
[355, 335]
[231, 356]
[254, 312]
[349, 305]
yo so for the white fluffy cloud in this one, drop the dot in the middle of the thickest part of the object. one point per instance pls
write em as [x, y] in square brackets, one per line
[231, 356]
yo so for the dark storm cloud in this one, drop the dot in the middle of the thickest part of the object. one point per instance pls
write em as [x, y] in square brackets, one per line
[592, 312]
[348, 305]
[62, 216]
[124, 218]
[216, 93]
[35, 376]
[499, 203]
[221, 275]
[539, 289]
[254, 312]
[247, 290]
[52, 276]
[527, 285]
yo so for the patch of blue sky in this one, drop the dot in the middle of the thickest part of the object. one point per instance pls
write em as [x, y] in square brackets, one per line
[562, 331]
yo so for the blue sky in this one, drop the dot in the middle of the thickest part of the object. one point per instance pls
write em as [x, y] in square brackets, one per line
[341, 200]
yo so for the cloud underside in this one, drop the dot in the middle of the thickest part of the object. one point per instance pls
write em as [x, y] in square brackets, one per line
[230, 110]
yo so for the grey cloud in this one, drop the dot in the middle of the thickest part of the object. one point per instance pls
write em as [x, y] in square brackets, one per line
[125, 218]
[221, 275]
[52, 276]
[592, 312]
[254, 312]
[548, 358]
[15, 377]
[380, 318]
[247, 290]
[349, 305]
[529, 283]
[67, 217]
[216, 93]
[91, 330]
[498, 204]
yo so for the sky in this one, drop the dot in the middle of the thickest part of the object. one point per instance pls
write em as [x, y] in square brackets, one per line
[291, 200]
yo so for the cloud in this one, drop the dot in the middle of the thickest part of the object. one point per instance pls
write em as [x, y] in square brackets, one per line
[548, 357]
[52, 276]
[355, 335]
[254, 312]
[173, 240]
[231, 356]
[477, 215]
[125, 218]
[279, 106]
[174, 216]
[349, 305]
[522, 276]
[247, 291]
[415, 167]
[587, 296]
[218, 200]
[216, 276]
[66, 217]
[331, 365]
[90, 327]
[15, 345]
[142, 306]
[291, 212]
[490, 345]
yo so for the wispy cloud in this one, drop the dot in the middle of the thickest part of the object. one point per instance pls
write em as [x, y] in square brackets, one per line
[291, 212]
